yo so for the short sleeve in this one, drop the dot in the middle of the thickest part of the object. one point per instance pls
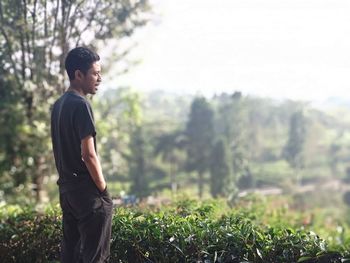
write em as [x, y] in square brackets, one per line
[84, 121]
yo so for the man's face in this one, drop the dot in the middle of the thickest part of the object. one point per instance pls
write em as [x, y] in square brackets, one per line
[92, 79]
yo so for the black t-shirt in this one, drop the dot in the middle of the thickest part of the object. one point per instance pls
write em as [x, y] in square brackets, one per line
[71, 121]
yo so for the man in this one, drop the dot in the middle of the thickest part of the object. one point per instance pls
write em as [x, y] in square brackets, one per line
[85, 202]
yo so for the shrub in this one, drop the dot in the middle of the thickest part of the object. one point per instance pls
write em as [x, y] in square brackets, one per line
[27, 236]
[184, 233]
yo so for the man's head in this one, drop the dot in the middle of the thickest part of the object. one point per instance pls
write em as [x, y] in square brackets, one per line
[83, 69]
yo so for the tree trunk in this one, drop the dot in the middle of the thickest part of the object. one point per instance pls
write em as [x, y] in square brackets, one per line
[40, 193]
[298, 177]
[173, 184]
[200, 184]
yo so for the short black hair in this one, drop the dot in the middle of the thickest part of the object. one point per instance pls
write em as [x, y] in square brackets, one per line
[80, 58]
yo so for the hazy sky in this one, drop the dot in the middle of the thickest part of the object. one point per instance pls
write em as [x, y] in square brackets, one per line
[297, 49]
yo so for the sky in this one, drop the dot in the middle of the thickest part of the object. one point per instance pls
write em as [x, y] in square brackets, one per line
[295, 49]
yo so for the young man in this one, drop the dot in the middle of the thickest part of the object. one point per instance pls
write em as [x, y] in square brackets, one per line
[85, 202]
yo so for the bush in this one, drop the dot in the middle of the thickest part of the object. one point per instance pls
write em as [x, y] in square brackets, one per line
[183, 233]
[27, 236]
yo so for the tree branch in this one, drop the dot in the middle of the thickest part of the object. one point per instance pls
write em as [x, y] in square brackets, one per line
[53, 36]
[92, 16]
[26, 30]
[33, 38]
[8, 45]
[74, 15]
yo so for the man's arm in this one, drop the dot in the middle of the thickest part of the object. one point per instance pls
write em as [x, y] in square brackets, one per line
[92, 162]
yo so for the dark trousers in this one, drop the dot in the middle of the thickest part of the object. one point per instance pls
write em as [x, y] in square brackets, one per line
[87, 220]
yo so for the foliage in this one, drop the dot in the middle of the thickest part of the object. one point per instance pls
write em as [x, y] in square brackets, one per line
[232, 123]
[200, 134]
[184, 232]
[258, 127]
[293, 151]
[13, 149]
[35, 37]
[138, 164]
[220, 170]
[28, 236]
[169, 147]
[122, 108]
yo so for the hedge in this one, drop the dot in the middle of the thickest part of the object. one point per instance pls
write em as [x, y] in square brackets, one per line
[181, 234]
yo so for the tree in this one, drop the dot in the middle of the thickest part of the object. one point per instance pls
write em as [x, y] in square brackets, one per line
[169, 146]
[122, 108]
[200, 135]
[335, 152]
[220, 169]
[36, 36]
[14, 152]
[138, 164]
[232, 124]
[293, 151]
[124, 144]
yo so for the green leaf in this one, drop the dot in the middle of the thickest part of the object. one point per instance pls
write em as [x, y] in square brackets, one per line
[304, 259]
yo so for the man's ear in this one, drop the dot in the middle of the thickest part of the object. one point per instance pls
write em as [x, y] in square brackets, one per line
[78, 74]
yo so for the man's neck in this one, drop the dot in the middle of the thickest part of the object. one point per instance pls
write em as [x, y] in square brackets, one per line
[76, 91]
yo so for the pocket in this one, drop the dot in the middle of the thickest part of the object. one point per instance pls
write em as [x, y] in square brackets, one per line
[84, 203]
[104, 192]
[106, 198]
